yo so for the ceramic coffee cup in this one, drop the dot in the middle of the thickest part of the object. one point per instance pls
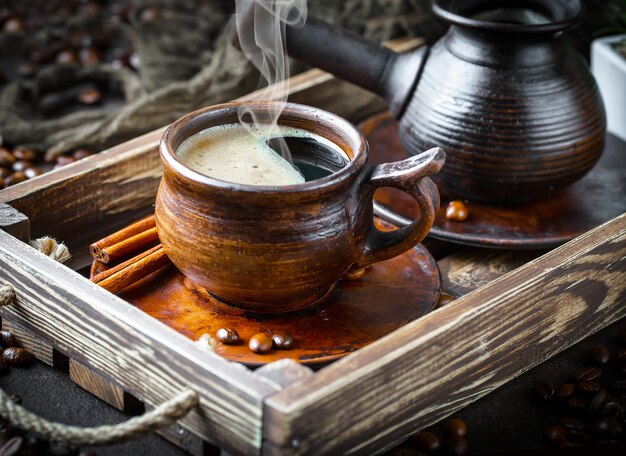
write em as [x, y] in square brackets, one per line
[283, 248]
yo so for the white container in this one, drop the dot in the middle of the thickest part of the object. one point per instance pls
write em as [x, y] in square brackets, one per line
[609, 69]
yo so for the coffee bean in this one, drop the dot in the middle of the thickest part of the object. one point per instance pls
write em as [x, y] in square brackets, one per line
[576, 435]
[457, 211]
[33, 171]
[23, 153]
[556, 433]
[572, 423]
[621, 354]
[444, 299]
[282, 340]
[12, 447]
[7, 338]
[587, 374]
[15, 178]
[14, 25]
[81, 153]
[589, 387]
[456, 428]
[149, 14]
[67, 56]
[2, 183]
[426, 441]
[619, 385]
[598, 401]
[26, 69]
[456, 446]
[63, 160]
[4, 171]
[543, 390]
[600, 355]
[405, 451]
[21, 165]
[228, 336]
[16, 356]
[134, 61]
[613, 409]
[90, 56]
[260, 343]
[608, 427]
[89, 96]
[90, 9]
[6, 158]
[576, 401]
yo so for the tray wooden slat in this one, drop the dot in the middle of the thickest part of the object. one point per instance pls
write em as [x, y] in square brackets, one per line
[433, 366]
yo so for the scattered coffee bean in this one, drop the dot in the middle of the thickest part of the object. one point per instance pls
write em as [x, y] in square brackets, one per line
[16, 356]
[134, 61]
[63, 160]
[23, 153]
[7, 338]
[556, 433]
[444, 299]
[455, 447]
[21, 165]
[79, 154]
[587, 374]
[576, 401]
[260, 343]
[13, 447]
[31, 172]
[26, 69]
[356, 275]
[406, 451]
[457, 211]
[149, 14]
[2, 183]
[282, 340]
[565, 391]
[89, 56]
[89, 96]
[228, 336]
[576, 435]
[15, 178]
[456, 428]
[14, 25]
[543, 390]
[426, 441]
[613, 409]
[608, 427]
[572, 423]
[4, 171]
[600, 355]
[589, 387]
[6, 158]
[598, 401]
[67, 56]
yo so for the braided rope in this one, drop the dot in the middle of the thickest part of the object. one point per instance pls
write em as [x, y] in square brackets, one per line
[163, 415]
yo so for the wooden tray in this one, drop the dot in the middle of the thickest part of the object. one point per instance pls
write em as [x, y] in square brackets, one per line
[513, 311]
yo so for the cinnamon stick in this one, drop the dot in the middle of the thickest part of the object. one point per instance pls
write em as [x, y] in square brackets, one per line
[131, 271]
[133, 238]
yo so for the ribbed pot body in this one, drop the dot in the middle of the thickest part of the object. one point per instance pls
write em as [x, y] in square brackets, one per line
[519, 115]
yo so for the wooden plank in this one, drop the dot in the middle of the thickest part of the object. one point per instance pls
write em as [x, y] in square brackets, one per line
[285, 372]
[130, 348]
[103, 389]
[14, 222]
[188, 441]
[104, 192]
[426, 370]
[471, 268]
[36, 346]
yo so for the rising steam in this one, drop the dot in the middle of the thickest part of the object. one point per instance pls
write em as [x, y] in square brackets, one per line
[261, 30]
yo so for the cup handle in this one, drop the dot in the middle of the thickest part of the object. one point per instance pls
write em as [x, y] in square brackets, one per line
[409, 175]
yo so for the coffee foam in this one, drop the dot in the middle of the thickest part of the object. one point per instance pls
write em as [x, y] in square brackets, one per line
[230, 153]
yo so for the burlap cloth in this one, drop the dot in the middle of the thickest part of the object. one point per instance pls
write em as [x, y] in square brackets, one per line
[186, 62]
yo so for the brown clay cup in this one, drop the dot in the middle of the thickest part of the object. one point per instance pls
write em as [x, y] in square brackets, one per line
[283, 248]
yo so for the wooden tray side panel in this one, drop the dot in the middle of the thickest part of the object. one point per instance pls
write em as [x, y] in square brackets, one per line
[459, 353]
[129, 348]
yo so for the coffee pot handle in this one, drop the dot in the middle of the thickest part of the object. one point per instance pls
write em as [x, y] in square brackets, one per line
[409, 175]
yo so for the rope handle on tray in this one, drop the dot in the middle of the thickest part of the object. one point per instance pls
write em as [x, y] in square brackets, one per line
[163, 415]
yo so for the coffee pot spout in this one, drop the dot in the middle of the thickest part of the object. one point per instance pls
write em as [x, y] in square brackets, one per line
[358, 60]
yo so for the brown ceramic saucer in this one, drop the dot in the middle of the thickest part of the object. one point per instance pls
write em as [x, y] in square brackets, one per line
[595, 199]
[389, 295]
